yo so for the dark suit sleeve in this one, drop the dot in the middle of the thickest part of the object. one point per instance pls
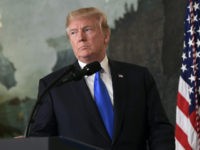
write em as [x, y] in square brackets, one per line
[44, 122]
[161, 132]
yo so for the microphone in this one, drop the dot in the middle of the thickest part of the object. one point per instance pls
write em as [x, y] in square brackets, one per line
[88, 70]
[68, 75]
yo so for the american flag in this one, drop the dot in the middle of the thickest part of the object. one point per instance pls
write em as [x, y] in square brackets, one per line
[187, 132]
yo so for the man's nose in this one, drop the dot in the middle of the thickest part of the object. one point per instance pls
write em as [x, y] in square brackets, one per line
[81, 36]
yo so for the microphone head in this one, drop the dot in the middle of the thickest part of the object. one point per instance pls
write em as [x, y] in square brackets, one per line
[88, 70]
[92, 68]
[75, 74]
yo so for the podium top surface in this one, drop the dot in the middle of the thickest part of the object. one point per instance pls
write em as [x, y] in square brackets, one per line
[45, 143]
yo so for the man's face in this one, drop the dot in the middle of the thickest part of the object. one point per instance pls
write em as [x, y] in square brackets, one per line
[87, 39]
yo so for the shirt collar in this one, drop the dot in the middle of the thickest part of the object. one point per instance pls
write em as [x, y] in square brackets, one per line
[104, 64]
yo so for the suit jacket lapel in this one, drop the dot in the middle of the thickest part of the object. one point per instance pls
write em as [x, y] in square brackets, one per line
[119, 96]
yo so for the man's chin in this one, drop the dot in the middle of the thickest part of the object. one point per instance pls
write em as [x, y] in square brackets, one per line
[87, 59]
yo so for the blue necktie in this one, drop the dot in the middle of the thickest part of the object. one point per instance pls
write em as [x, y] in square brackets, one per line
[104, 104]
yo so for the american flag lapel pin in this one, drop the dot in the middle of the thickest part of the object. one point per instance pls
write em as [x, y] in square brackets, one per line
[120, 75]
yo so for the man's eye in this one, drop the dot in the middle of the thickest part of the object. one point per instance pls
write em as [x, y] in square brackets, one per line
[73, 32]
[87, 29]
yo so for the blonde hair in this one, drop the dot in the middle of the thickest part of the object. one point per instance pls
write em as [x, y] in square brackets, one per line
[87, 13]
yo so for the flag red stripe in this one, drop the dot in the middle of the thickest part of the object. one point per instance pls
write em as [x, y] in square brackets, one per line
[183, 104]
[182, 138]
[184, 107]
[193, 120]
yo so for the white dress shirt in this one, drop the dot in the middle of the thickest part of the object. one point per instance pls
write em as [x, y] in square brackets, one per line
[105, 76]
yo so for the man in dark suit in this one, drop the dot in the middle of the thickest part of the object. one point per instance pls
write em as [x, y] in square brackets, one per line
[71, 110]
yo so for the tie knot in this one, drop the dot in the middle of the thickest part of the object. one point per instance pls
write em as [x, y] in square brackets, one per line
[98, 74]
[97, 77]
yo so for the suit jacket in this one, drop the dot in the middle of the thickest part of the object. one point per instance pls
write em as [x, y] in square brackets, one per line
[69, 110]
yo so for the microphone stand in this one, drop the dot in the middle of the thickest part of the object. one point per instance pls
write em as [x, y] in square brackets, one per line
[39, 102]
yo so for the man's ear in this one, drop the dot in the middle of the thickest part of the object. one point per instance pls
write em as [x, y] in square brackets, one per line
[107, 37]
